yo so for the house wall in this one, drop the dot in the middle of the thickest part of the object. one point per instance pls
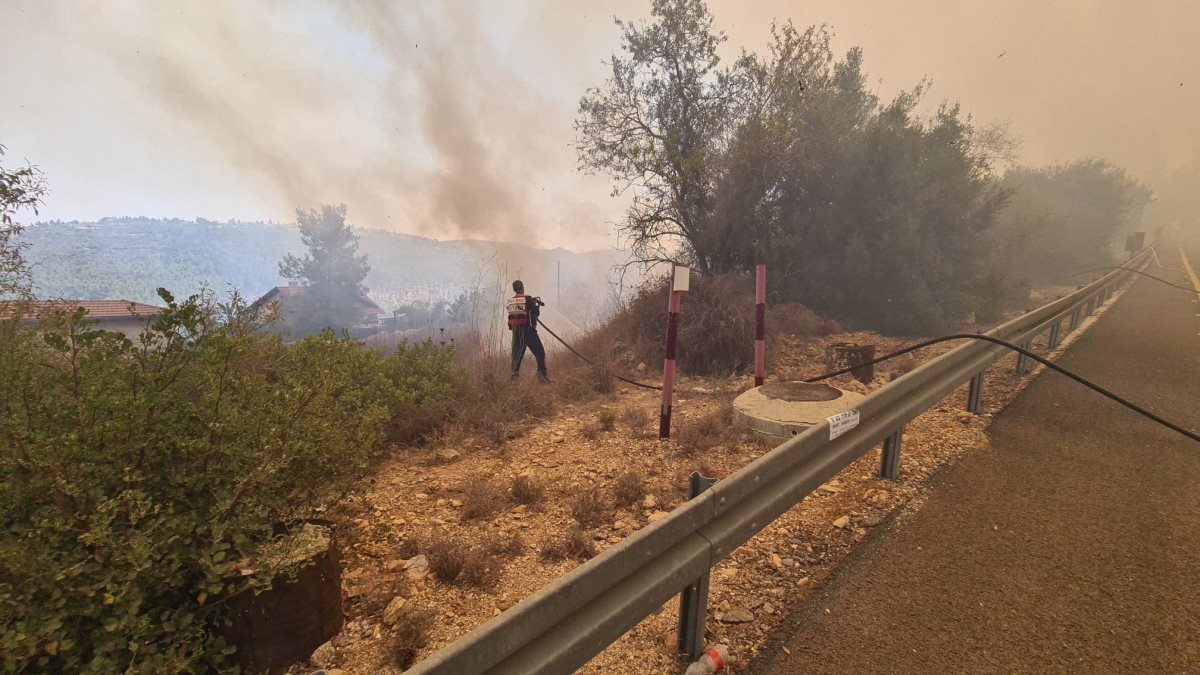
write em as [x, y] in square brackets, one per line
[131, 326]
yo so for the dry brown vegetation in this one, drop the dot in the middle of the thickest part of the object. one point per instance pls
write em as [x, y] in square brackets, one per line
[629, 490]
[637, 420]
[409, 634]
[698, 437]
[526, 490]
[607, 419]
[453, 560]
[589, 507]
[715, 322]
[574, 543]
[576, 514]
[482, 499]
[408, 548]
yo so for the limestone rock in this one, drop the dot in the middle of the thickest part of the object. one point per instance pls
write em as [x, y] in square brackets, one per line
[392, 612]
[417, 567]
[447, 455]
[842, 522]
[324, 656]
[738, 615]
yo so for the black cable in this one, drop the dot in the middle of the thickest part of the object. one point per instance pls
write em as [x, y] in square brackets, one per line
[1046, 362]
[593, 363]
[1128, 269]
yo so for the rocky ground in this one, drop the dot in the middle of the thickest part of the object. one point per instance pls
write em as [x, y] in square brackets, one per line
[421, 503]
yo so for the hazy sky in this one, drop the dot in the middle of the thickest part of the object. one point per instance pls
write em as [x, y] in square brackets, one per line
[453, 119]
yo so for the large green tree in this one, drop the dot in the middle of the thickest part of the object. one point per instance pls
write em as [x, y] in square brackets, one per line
[20, 188]
[658, 128]
[331, 272]
[1069, 218]
[865, 209]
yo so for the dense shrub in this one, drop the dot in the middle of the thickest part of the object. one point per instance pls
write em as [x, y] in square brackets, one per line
[422, 386]
[716, 325]
[136, 474]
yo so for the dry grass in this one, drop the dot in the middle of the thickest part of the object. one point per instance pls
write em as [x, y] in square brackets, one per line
[604, 380]
[717, 318]
[638, 421]
[409, 635]
[482, 500]
[453, 561]
[589, 507]
[507, 545]
[628, 490]
[708, 432]
[574, 543]
[525, 490]
[607, 419]
[447, 555]
[408, 548]
[480, 568]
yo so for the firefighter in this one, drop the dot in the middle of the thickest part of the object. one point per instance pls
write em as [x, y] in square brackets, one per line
[522, 321]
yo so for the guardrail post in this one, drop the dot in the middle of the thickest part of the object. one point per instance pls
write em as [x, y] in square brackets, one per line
[975, 394]
[889, 456]
[1022, 360]
[693, 601]
[1074, 319]
[1055, 334]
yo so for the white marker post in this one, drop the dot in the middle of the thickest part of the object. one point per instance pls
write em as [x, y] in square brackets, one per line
[760, 323]
[680, 277]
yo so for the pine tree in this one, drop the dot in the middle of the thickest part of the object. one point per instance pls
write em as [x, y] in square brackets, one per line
[331, 273]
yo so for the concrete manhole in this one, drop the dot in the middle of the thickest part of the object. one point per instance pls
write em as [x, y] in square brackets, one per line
[780, 410]
[799, 392]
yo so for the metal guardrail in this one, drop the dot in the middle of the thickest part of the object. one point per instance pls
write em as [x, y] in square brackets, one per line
[566, 623]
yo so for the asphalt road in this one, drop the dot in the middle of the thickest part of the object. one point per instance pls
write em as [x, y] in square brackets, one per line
[1072, 546]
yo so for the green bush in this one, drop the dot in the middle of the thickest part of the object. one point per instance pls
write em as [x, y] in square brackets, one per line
[421, 385]
[137, 474]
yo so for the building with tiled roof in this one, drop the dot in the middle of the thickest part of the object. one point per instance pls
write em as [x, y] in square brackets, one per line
[286, 296]
[122, 316]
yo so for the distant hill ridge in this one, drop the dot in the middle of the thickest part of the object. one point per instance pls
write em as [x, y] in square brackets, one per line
[129, 257]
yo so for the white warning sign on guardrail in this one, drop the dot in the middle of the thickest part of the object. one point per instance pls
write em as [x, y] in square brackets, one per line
[841, 423]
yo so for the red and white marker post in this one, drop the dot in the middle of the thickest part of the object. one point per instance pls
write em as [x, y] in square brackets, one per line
[760, 323]
[680, 276]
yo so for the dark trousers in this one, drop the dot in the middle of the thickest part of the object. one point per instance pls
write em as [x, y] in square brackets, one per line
[522, 337]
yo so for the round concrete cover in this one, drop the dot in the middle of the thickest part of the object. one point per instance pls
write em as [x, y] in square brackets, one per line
[780, 410]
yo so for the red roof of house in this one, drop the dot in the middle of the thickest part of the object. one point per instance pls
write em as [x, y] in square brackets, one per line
[97, 309]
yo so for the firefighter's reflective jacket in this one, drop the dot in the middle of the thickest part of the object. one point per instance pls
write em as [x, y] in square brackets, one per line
[522, 311]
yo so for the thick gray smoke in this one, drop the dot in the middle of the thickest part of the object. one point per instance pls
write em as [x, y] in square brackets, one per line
[453, 118]
[407, 114]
